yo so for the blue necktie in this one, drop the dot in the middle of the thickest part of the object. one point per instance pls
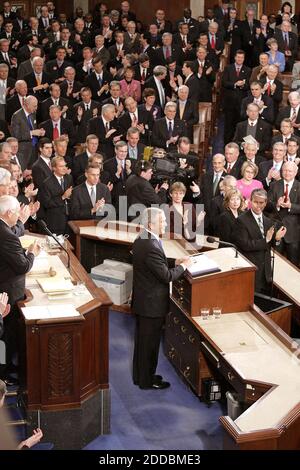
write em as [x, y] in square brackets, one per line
[34, 139]
[100, 81]
[170, 130]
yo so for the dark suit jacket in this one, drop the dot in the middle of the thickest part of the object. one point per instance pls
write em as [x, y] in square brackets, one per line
[55, 71]
[144, 117]
[176, 53]
[249, 240]
[109, 175]
[45, 105]
[80, 163]
[160, 132]
[226, 226]
[14, 264]
[106, 146]
[263, 133]
[151, 278]
[40, 171]
[236, 169]
[206, 81]
[293, 43]
[76, 88]
[66, 127]
[92, 82]
[285, 113]
[290, 219]
[193, 84]
[150, 83]
[56, 209]
[232, 97]
[140, 191]
[31, 83]
[277, 96]
[12, 105]
[82, 125]
[263, 170]
[190, 116]
[268, 112]
[81, 204]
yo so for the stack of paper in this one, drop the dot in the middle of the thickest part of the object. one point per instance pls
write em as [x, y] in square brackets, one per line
[55, 311]
[27, 240]
[56, 285]
[202, 265]
[40, 264]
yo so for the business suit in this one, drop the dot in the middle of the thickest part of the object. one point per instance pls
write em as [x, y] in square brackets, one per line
[75, 89]
[235, 170]
[92, 82]
[289, 218]
[44, 107]
[66, 127]
[144, 117]
[232, 97]
[106, 146]
[14, 264]
[248, 37]
[13, 104]
[193, 84]
[277, 95]
[292, 46]
[24, 69]
[268, 112]
[32, 83]
[55, 71]
[81, 204]
[151, 83]
[176, 53]
[285, 113]
[56, 209]
[82, 124]
[226, 226]
[140, 191]
[263, 133]
[206, 80]
[249, 240]
[160, 132]
[21, 130]
[80, 163]
[190, 116]
[40, 172]
[152, 273]
[109, 175]
[263, 170]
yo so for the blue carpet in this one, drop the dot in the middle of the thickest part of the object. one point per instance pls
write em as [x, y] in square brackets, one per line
[171, 419]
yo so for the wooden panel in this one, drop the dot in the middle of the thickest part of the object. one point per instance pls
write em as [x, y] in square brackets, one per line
[145, 13]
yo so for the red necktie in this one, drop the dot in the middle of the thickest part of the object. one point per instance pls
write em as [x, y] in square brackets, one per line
[286, 193]
[228, 168]
[213, 42]
[269, 89]
[55, 134]
[168, 53]
[143, 75]
[237, 71]
[183, 42]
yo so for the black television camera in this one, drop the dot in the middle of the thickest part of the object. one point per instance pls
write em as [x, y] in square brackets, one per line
[174, 167]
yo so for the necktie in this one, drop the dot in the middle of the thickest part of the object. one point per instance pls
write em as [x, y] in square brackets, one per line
[294, 114]
[251, 26]
[123, 174]
[34, 139]
[228, 168]
[251, 124]
[93, 195]
[100, 81]
[238, 71]
[62, 183]
[181, 110]
[216, 183]
[170, 130]
[55, 133]
[6, 58]
[143, 75]
[286, 193]
[286, 41]
[168, 53]
[269, 89]
[107, 127]
[184, 41]
[261, 226]
[86, 107]
[23, 101]
[213, 42]
[38, 80]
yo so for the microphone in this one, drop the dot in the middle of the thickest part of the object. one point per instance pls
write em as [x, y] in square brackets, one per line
[43, 226]
[214, 240]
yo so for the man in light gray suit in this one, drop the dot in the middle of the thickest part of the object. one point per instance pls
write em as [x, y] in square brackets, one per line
[24, 128]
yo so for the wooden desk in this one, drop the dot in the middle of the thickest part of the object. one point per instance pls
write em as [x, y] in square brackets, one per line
[65, 362]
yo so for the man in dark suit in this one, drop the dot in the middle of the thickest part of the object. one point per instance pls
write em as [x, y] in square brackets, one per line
[135, 117]
[167, 50]
[272, 86]
[70, 88]
[83, 112]
[57, 126]
[152, 273]
[248, 36]
[167, 130]
[287, 44]
[98, 81]
[232, 32]
[187, 110]
[263, 101]
[135, 147]
[55, 99]
[14, 264]
[271, 170]
[156, 83]
[233, 163]
[89, 198]
[291, 112]
[259, 129]
[56, 68]
[15, 102]
[205, 73]
[161, 22]
[80, 161]
[38, 81]
[235, 83]
[253, 234]
[41, 169]
[284, 197]
[191, 81]
[143, 70]
[194, 25]
[54, 198]
[107, 129]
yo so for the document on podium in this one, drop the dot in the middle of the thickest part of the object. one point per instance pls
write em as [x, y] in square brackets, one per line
[56, 311]
[202, 265]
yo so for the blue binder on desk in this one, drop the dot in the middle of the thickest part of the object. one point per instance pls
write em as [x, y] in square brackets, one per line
[202, 265]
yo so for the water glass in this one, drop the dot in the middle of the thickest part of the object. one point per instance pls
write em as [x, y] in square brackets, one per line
[204, 312]
[217, 311]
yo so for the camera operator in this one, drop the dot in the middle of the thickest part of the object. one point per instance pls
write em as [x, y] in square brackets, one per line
[139, 189]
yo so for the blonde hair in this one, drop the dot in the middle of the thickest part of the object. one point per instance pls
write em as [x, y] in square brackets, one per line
[249, 165]
[229, 195]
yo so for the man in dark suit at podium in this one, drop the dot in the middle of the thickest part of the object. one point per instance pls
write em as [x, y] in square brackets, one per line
[253, 234]
[152, 274]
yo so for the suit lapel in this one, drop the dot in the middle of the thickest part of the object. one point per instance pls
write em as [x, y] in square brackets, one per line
[255, 226]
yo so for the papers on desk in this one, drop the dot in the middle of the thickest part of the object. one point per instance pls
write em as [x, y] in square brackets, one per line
[55, 285]
[202, 265]
[27, 240]
[55, 311]
[40, 264]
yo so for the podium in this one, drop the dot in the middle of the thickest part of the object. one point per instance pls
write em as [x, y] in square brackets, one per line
[244, 349]
[64, 362]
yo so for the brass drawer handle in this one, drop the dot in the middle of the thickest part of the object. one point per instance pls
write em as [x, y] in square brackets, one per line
[176, 320]
[183, 329]
[187, 373]
[191, 339]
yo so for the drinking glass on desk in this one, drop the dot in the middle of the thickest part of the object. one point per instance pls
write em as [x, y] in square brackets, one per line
[204, 312]
[79, 288]
[217, 311]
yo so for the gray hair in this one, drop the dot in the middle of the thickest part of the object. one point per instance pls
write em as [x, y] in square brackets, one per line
[150, 215]
[8, 203]
[4, 174]
[159, 70]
